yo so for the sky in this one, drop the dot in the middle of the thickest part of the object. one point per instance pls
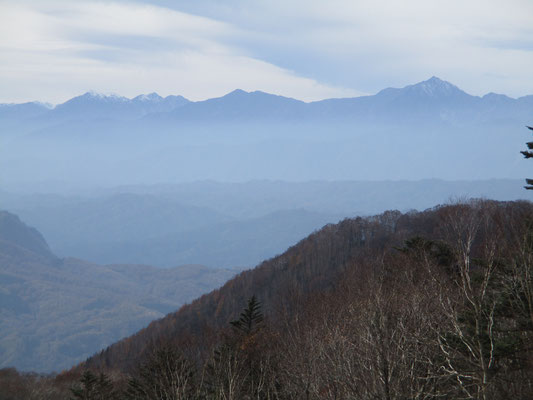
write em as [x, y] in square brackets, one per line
[52, 50]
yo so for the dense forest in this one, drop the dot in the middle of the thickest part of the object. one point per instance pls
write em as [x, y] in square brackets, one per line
[422, 305]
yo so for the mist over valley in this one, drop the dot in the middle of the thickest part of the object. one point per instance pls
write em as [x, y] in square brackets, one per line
[266, 200]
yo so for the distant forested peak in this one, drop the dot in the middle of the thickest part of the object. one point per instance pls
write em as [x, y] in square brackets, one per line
[14, 231]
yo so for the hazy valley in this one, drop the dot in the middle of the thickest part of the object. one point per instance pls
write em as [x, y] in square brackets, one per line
[221, 224]
[56, 312]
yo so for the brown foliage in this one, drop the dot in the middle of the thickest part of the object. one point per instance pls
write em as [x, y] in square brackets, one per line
[436, 304]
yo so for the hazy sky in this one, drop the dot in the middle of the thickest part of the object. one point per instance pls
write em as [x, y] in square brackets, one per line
[309, 49]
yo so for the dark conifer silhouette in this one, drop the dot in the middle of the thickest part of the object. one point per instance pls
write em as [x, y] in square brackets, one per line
[94, 387]
[528, 154]
[251, 317]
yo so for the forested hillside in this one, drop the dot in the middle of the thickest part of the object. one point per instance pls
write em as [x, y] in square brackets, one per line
[436, 304]
[55, 312]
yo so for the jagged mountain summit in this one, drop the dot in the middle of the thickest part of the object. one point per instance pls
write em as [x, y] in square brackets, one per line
[435, 87]
[151, 97]
[432, 90]
[97, 105]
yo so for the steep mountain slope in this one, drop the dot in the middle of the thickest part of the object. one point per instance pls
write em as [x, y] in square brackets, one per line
[315, 266]
[392, 306]
[14, 232]
[56, 312]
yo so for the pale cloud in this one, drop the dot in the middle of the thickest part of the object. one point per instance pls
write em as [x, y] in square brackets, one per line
[51, 51]
[368, 44]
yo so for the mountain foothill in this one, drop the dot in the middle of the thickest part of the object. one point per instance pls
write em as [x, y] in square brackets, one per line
[56, 312]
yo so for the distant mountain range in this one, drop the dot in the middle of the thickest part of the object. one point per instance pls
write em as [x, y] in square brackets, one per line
[56, 312]
[431, 129]
[422, 99]
[95, 105]
[222, 224]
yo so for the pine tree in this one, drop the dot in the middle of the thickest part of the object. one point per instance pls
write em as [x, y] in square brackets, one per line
[250, 319]
[241, 367]
[94, 388]
[528, 154]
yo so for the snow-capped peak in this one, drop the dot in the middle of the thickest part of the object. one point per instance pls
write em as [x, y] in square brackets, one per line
[45, 105]
[434, 87]
[112, 97]
[151, 97]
